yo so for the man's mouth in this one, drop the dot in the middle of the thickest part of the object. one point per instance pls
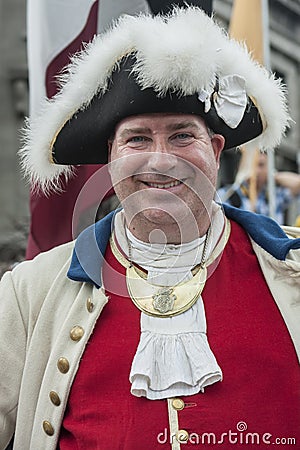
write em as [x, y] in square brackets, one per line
[169, 185]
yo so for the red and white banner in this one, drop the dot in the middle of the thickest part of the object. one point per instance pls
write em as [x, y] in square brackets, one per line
[55, 30]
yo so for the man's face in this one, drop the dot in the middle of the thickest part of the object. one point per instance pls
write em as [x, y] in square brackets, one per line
[164, 169]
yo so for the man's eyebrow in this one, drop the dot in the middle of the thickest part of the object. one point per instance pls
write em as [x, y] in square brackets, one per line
[181, 125]
[136, 130]
[145, 130]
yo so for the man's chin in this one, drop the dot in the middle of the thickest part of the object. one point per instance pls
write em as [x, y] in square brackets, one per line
[159, 216]
[167, 216]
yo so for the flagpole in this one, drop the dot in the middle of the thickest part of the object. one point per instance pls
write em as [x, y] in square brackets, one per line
[267, 64]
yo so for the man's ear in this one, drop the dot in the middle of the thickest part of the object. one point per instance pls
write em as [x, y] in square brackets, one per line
[218, 142]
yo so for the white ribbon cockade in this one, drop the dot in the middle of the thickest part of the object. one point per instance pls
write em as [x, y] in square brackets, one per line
[230, 100]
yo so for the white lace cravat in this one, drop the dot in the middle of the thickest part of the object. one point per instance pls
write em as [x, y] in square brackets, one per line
[173, 357]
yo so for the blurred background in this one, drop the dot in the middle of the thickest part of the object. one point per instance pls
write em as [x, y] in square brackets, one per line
[15, 213]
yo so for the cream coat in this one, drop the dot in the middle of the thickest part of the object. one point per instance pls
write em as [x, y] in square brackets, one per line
[39, 306]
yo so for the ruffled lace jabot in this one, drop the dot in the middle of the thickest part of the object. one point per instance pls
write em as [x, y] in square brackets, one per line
[173, 357]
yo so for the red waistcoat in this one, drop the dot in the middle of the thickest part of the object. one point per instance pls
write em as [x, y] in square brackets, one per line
[256, 404]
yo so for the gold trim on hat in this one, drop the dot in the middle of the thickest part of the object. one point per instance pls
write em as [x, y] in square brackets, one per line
[261, 114]
[53, 140]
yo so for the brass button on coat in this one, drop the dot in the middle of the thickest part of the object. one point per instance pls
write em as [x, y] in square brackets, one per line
[178, 404]
[63, 365]
[89, 305]
[48, 428]
[182, 436]
[76, 333]
[54, 397]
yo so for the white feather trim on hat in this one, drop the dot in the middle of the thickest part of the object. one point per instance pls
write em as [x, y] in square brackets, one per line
[184, 52]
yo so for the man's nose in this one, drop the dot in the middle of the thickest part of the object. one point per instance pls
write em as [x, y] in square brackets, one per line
[160, 158]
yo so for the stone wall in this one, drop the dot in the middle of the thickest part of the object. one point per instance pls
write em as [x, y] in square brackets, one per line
[14, 214]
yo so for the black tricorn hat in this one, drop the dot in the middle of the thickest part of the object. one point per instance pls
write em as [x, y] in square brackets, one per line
[182, 62]
[84, 137]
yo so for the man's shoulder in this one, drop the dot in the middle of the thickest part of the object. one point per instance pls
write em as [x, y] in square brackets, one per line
[267, 233]
[55, 253]
[89, 251]
[46, 265]
[30, 282]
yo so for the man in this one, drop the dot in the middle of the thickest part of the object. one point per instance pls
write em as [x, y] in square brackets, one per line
[168, 322]
[287, 187]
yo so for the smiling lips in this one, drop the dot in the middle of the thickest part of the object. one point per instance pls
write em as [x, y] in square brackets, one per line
[163, 185]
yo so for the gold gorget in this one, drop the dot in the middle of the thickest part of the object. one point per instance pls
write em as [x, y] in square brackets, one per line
[166, 301]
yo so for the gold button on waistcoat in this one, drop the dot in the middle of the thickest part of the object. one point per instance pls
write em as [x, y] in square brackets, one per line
[178, 404]
[89, 305]
[54, 397]
[182, 436]
[76, 333]
[63, 365]
[48, 428]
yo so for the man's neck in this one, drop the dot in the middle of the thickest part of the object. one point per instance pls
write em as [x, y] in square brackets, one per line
[159, 233]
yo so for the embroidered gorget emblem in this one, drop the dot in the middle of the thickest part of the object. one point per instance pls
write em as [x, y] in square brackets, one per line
[163, 300]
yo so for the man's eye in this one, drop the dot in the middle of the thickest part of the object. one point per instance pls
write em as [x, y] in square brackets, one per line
[137, 139]
[183, 136]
